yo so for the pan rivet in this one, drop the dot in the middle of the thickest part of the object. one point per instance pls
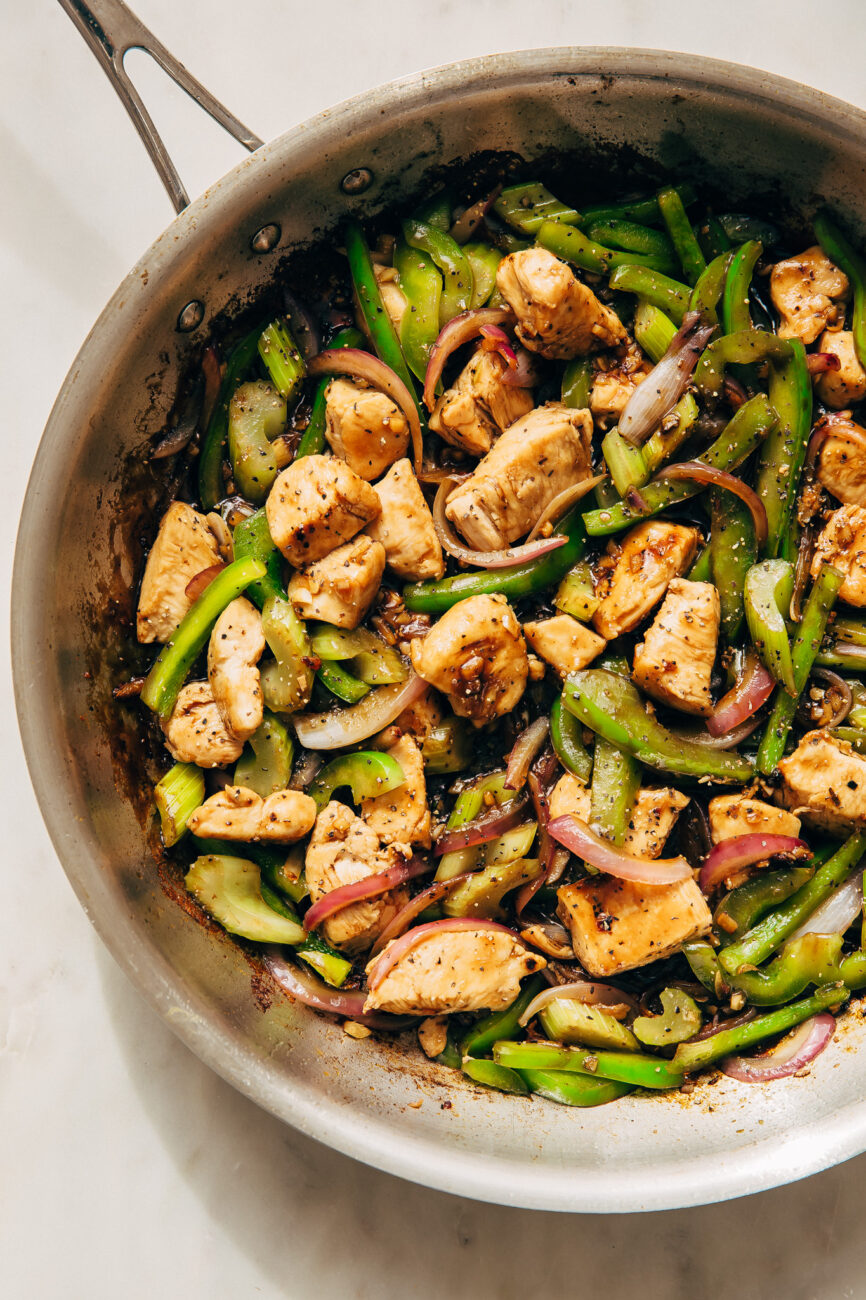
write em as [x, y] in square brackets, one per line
[357, 182]
[265, 239]
[191, 316]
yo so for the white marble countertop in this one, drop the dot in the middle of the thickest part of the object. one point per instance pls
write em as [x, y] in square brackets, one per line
[128, 1169]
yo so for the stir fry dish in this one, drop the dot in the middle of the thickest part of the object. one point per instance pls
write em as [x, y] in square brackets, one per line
[509, 650]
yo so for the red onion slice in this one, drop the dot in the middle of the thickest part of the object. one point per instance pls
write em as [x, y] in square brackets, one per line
[563, 502]
[551, 857]
[427, 898]
[818, 362]
[388, 959]
[729, 740]
[742, 851]
[337, 1002]
[494, 338]
[577, 836]
[837, 913]
[666, 382]
[485, 559]
[525, 373]
[360, 890]
[201, 581]
[527, 746]
[466, 225]
[342, 727]
[487, 826]
[842, 688]
[363, 365]
[696, 472]
[798, 1049]
[753, 689]
[591, 994]
[458, 331]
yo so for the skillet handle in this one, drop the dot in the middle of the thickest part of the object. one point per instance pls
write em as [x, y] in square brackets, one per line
[110, 29]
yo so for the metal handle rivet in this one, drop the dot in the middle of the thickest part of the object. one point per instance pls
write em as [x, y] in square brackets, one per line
[191, 316]
[265, 239]
[357, 181]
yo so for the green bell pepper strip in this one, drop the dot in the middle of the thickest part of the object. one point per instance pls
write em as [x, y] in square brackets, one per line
[839, 251]
[313, 441]
[767, 591]
[742, 348]
[484, 260]
[634, 1068]
[615, 783]
[709, 286]
[733, 552]
[627, 464]
[491, 1075]
[282, 360]
[252, 539]
[210, 480]
[468, 805]
[736, 315]
[682, 236]
[577, 383]
[811, 959]
[522, 580]
[702, 569]
[366, 773]
[479, 1040]
[680, 1020]
[704, 964]
[567, 742]
[527, 206]
[380, 327]
[177, 795]
[643, 210]
[744, 906]
[690, 1057]
[421, 282]
[177, 656]
[574, 1089]
[734, 444]
[257, 415]
[447, 254]
[630, 237]
[653, 330]
[806, 644]
[713, 238]
[777, 926]
[611, 706]
[436, 211]
[340, 683]
[572, 245]
[782, 457]
[266, 763]
[447, 747]
[576, 594]
[670, 296]
[662, 444]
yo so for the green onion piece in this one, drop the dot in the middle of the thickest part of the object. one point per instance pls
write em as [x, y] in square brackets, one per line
[681, 234]
[177, 795]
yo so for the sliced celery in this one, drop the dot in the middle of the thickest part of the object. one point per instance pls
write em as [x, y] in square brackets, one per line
[177, 796]
[566, 1020]
[283, 361]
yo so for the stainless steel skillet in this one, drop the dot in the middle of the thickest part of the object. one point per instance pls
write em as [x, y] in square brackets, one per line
[744, 132]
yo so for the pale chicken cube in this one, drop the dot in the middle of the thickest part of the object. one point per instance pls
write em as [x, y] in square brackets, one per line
[364, 427]
[842, 460]
[184, 547]
[674, 662]
[480, 406]
[732, 815]
[315, 505]
[618, 925]
[342, 586]
[842, 543]
[236, 645]
[342, 850]
[615, 382]
[394, 299]
[401, 816]
[195, 731]
[476, 656]
[418, 719]
[557, 315]
[847, 385]
[535, 460]
[404, 526]
[237, 813]
[467, 970]
[806, 292]
[825, 783]
[564, 643]
[653, 816]
[652, 555]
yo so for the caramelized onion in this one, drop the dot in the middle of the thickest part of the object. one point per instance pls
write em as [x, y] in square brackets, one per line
[752, 689]
[488, 826]
[844, 690]
[485, 559]
[458, 331]
[792, 1054]
[818, 362]
[563, 502]
[696, 472]
[339, 728]
[201, 581]
[360, 890]
[338, 1002]
[524, 373]
[577, 836]
[469, 221]
[743, 851]
[666, 382]
[363, 365]
[525, 749]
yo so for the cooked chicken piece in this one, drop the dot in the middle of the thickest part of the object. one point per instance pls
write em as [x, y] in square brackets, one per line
[405, 526]
[344, 849]
[847, 385]
[805, 292]
[364, 427]
[401, 817]
[195, 731]
[652, 555]
[417, 720]
[315, 505]
[566, 644]
[842, 461]
[842, 543]
[393, 297]
[433, 1035]
[825, 783]
[674, 662]
[340, 588]
[236, 813]
[473, 413]
[732, 815]
[475, 654]
[184, 546]
[534, 461]
[617, 925]
[236, 645]
[616, 381]
[652, 819]
[557, 315]
[465, 970]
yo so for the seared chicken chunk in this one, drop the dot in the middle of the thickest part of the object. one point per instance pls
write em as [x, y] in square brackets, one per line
[617, 925]
[195, 731]
[364, 427]
[405, 526]
[236, 645]
[537, 458]
[480, 405]
[344, 849]
[825, 783]
[616, 381]
[842, 461]
[674, 662]
[655, 811]
[842, 387]
[315, 505]
[184, 546]
[240, 814]
[557, 315]
[475, 654]
[842, 543]
[340, 588]
[467, 970]
[806, 291]
[732, 815]
[566, 644]
[652, 555]
[417, 720]
[393, 297]
[401, 817]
